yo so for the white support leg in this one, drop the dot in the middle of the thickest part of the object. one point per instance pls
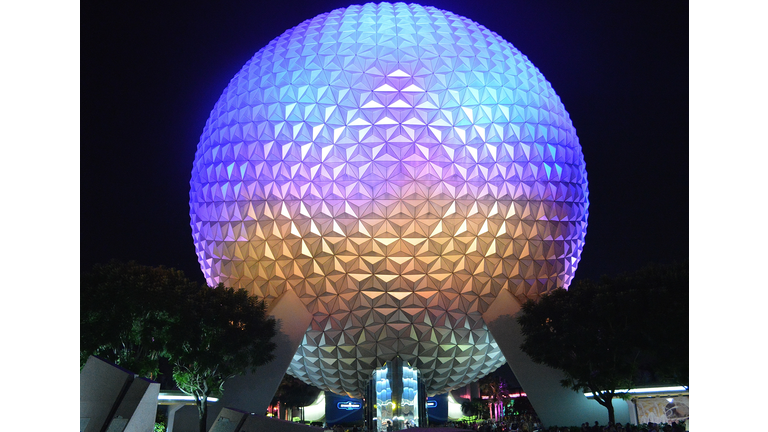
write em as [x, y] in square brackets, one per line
[172, 415]
[555, 405]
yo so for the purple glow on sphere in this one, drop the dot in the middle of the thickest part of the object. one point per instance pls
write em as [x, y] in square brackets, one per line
[396, 166]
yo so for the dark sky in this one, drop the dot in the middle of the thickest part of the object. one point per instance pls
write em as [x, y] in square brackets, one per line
[151, 72]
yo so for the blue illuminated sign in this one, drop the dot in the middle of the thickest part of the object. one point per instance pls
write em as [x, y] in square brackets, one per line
[348, 405]
[431, 403]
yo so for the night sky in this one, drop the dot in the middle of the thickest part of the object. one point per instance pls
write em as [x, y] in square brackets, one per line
[152, 71]
[104, 103]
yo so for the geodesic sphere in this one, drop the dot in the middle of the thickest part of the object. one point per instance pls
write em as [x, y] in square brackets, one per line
[396, 166]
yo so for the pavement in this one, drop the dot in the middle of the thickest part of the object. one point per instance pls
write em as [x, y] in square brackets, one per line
[436, 429]
[430, 429]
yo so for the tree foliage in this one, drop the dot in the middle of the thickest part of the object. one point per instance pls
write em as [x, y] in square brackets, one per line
[521, 406]
[497, 391]
[295, 393]
[494, 387]
[136, 315]
[473, 408]
[223, 333]
[126, 313]
[618, 333]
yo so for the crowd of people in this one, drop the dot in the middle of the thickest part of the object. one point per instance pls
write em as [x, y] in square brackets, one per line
[649, 427]
[531, 424]
[520, 423]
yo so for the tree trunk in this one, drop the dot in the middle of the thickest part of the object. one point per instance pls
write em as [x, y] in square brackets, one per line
[606, 401]
[609, 407]
[611, 416]
[202, 410]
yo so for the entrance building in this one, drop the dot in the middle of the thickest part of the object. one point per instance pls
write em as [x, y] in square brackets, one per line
[396, 396]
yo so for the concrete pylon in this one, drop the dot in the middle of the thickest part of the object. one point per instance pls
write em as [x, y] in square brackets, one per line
[554, 404]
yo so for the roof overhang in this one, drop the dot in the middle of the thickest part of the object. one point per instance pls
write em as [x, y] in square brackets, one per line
[174, 397]
[647, 391]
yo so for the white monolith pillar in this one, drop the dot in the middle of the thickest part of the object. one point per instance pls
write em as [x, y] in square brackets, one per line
[554, 404]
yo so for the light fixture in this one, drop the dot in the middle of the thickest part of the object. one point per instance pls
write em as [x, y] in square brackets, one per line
[645, 390]
[173, 397]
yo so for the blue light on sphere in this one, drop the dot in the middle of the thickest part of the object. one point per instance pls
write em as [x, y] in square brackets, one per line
[396, 166]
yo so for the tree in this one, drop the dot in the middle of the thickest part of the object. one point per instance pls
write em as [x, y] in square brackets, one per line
[521, 407]
[295, 393]
[126, 313]
[137, 316]
[497, 391]
[473, 408]
[223, 333]
[609, 335]
[660, 308]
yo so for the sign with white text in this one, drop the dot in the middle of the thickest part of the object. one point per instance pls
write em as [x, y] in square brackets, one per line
[349, 405]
